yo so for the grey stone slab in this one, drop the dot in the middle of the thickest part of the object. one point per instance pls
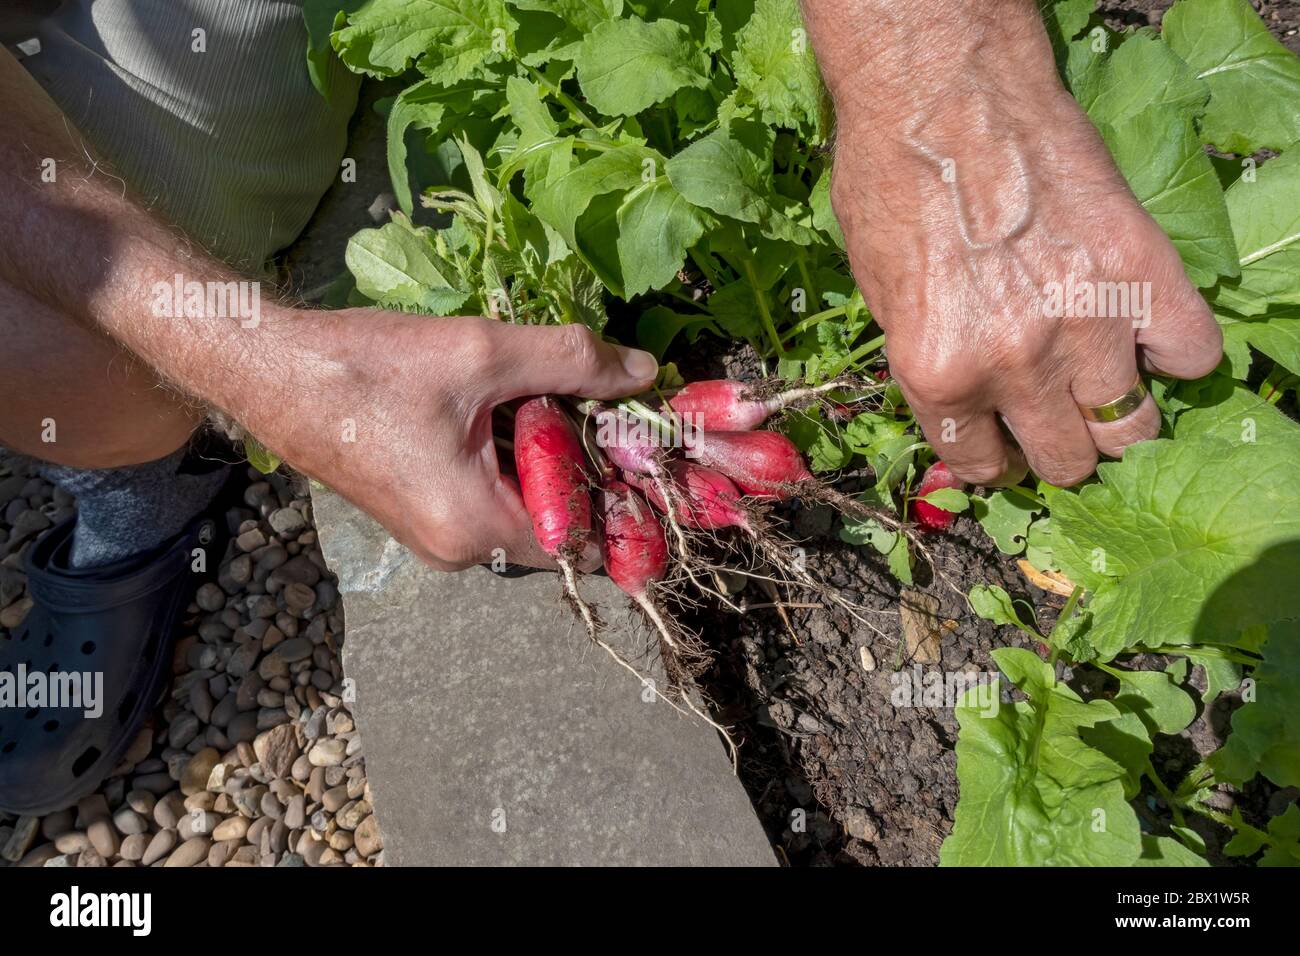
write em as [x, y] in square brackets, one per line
[496, 734]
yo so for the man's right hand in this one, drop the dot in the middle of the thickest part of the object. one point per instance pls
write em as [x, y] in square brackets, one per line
[394, 412]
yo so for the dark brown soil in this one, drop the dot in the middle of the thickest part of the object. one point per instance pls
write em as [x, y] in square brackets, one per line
[841, 770]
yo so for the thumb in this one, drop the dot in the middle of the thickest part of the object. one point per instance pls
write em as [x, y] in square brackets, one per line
[565, 360]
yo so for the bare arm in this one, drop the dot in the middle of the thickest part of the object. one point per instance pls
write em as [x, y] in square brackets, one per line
[392, 411]
[968, 182]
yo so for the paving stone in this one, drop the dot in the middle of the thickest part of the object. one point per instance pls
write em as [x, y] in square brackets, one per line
[495, 735]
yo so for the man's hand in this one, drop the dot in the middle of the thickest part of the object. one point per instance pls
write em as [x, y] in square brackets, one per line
[977, 200]
[394, 412]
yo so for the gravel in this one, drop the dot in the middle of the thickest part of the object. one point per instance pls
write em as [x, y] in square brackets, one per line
[254, 759]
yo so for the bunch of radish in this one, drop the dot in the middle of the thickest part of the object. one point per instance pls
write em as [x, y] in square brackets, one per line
[599, 478]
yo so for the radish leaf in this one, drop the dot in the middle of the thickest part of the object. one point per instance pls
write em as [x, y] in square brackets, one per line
[1254, 79]
[1033, 793]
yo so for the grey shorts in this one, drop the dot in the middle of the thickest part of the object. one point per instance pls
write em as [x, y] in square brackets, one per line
[205, 109]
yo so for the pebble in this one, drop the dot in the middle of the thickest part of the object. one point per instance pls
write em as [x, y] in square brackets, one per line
[142, 802]
[327, 752]
[52, 824]
[243, 728]
[296, 649]
[103, 838]
[249, 801]
[74, 841]
[297, 570]
[278, 750]
[159, 847]
[129, 823]
[200, 802]
[350, 817]
[210, 597]
[232, 829]
[225, 710]
[334, 799]
[184, 728]
[298, 598]
[250, 540]
[194, 778]
[218, 853]
[295, 814]
[27, 525]
[201, 702]
[197, 823]
[21, 839]
[133, 847]
[241, 569]
[272, 558]
[155, 783]
[252, 743]
[287, 520]
[190, 852]
[269, 717]
[168, 810]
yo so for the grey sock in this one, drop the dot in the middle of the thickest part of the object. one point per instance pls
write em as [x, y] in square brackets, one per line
[124, 511]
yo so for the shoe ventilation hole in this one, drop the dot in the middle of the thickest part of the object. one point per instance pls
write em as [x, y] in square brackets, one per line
[49, 639]
[88, 647]
[8, 748]
[31, 714]
[85, 761]
[51, 726]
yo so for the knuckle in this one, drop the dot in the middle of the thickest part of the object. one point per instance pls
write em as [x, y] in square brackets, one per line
[1023, 347]
[454, 548]
[578, 345]
[475, 341]
[943, 382]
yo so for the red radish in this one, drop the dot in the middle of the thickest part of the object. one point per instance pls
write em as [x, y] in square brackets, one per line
[726, 405]
[636, 553]
[552, 480]
[928, 516]
[761, 463]
[707, 499]
[839, 412]
[631, 443]
[633, 544]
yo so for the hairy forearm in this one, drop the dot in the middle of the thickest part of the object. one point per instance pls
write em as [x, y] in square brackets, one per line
[74, 238]
[887, 64]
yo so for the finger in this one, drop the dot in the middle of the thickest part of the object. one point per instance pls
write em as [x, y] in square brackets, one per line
[511, 527]
[1110, 374]
[565, 360]
[972, 446]
[1179, 336]
[1050, 430]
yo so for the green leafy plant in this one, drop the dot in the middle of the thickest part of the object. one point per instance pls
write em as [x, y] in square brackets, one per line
[1182, 547]
[665, 161]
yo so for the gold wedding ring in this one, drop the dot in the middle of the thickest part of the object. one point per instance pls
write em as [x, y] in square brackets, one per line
[1114, 410]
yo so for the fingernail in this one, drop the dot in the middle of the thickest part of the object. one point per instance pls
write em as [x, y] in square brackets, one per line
[640, 364]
